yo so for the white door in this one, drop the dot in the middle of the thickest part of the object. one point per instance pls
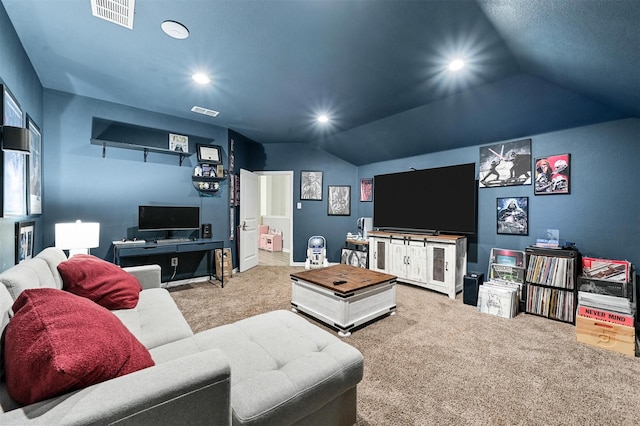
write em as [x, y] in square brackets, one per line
[249, 213]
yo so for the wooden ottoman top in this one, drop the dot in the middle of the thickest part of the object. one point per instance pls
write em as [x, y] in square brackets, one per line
[356, 278]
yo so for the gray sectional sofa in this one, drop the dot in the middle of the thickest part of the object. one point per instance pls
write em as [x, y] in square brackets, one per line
[271, 369]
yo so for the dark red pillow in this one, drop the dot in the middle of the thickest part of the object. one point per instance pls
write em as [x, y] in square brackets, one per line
[58, 342]
[103, 282]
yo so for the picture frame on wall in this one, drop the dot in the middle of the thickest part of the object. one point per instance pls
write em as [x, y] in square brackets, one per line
[35, 169]
[178, 143]
[366, 189]
[14, 188]
[311, 185]
[512, 215]
[210, 154]
[25, 232]
[505, 164]
[553, 174]
[339, 200]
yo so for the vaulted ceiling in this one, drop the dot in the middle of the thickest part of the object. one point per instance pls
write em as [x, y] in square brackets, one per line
[377, 68]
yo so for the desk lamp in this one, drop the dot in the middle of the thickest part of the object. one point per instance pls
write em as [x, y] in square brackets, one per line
[77, 237]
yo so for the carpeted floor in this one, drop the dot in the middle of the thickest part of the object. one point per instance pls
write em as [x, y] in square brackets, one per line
[440, 362]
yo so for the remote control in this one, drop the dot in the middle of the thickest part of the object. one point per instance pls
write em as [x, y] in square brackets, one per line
[339, 282]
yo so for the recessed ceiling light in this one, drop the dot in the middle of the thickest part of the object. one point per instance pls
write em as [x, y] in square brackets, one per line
[201, 78]
[323, 118]
[456, 65]
[175, 29]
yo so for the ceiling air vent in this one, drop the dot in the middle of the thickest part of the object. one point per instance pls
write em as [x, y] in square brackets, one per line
[205, 111]
[117, 11]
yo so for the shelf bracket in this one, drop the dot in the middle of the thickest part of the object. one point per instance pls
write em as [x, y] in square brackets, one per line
[146, 152]
[181, 158]
[104, 150]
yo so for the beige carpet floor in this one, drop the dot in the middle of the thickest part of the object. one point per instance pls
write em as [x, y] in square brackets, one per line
[440, 362]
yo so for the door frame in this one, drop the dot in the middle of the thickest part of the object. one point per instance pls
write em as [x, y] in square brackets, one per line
[288, 235]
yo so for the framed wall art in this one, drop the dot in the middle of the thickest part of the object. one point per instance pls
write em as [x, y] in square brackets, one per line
[366, 189]
[552, 174]
[179, 143]
[339, 200]
[25, 232]
[209, 154]
[505, 164]
[311, 185]
[513, 215]
[35, 170]
[14, 188]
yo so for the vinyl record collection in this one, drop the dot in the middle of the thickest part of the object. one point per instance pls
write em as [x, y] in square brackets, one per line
[607, 300]
[550, 279]
[550, 303]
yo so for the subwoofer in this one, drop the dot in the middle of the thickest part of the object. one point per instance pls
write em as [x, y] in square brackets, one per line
[206, 230]
[472, 283]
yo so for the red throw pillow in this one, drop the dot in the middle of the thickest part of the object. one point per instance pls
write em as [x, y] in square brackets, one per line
[103, 282]
[58, 342]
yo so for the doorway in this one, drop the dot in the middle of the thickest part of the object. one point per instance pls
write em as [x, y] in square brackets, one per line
[275, 198]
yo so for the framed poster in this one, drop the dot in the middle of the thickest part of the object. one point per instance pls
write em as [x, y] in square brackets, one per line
[311, 185]
[552, 174]
[513, 215]
[505, 164]
[339, 200]
[25, 232]
[14, 189]
[209, 154]
[35, 170]
[179, 143]
[366, 189]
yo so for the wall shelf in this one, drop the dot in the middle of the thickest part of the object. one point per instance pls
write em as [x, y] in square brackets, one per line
[206, 185]
[145, 149]
[205, 178]
[109, 133]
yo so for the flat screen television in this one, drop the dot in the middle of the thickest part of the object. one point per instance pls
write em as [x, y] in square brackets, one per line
[168, 218]
[438, 200]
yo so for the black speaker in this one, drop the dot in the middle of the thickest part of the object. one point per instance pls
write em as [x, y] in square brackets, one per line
[206, 230]
[472, 282]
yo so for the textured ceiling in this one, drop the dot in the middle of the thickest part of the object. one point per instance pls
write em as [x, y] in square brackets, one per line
[377, 68]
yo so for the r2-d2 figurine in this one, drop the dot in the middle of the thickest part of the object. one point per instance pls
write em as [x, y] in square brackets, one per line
[316, 253]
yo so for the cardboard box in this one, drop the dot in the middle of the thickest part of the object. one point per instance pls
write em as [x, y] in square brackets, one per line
[606, 335]
[228, 262]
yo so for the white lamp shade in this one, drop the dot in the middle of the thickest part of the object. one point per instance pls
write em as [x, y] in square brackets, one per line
[77, 237]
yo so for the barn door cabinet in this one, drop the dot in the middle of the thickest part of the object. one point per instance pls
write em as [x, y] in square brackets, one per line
[438, 262]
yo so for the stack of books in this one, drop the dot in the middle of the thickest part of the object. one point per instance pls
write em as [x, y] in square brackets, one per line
[606, 315]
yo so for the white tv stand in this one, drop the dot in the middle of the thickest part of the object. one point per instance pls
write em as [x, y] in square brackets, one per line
[436, 262]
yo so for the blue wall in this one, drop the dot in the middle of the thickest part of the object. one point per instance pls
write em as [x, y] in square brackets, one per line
[18, 74]
[601, 214]
[312, 219]
[80, 184]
